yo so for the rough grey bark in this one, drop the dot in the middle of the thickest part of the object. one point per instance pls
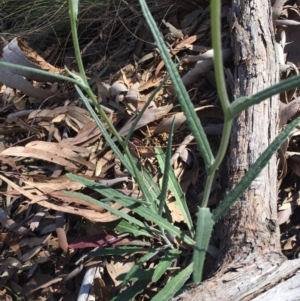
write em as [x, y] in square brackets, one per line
[250, 226]
[251, 257]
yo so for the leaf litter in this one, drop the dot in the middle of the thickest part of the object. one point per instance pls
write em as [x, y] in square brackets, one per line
[47, 236]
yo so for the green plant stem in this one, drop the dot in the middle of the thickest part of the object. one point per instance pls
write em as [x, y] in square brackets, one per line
[215, 11]
[218, 160]
[135, 171]
[207, 189]
[42, 72]
[215, 16]
[73, 8]
[73, 18]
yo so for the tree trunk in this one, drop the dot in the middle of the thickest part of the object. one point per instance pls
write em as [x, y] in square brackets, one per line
[251, 260]
[251, 232]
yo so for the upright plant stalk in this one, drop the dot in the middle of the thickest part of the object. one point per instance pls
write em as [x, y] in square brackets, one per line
[73, 9]
[73, 19]
[215, 24]
[211, 163]
[73, 5]
[215, 17]
[135, 172]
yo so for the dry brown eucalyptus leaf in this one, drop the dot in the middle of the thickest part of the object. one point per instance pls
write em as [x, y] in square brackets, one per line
[175, 212]
[16, 52]
[118, 266]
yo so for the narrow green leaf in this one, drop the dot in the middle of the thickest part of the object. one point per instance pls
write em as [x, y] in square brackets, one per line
[132, 291]
[140, 115]
[152, 186]
[149, 189]
[128, 162]
[204, 229]
[42, 72]
[175, 188]
[107, 207]
[183, 97]
[116, 251]
[123, 226]
[242, 103]
[126, 227]
[164, 263]
[128, 202]
[140, 262]
[143, 202]
[253, 172]
[174, 285]
[73, 12]
[105, 134]
[138, 275]
[165, 180]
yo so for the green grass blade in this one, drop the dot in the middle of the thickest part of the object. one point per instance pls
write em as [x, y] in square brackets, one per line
[152, 187]
[204, 229]
[140, 115]
[123, 226]
[116, 251]
[105, 134]
[136, 200]
[243, 103]
[150, 190]
[164, 263]
[138, 275]
[43, 72]
[127, 162]
[132, 291]
[108, 207]
[129, 275]
[128, 202]
[175, 188]
[165, 180]
[154, 190]
[174, 285]
[183, 97]
[253, 172]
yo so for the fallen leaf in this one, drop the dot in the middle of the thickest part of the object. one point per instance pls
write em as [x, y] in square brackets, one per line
[17, 52]
[149, 116]
[118, 266]
[175, 211]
